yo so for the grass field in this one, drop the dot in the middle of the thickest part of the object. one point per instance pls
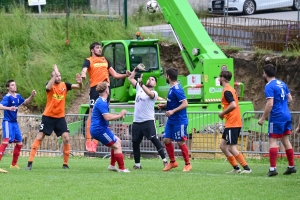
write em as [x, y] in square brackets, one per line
[88, 178]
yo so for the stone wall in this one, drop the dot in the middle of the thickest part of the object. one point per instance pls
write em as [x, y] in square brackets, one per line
[116, 6]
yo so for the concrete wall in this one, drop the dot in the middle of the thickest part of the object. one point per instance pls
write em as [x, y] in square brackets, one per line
[116, 6]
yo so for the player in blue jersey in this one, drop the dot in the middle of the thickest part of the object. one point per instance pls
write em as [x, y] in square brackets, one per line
[11, 131]
[280, 119]
[100, 131]
[176, 127]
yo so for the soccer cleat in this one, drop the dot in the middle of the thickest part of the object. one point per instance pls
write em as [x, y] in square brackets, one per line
[187, 168]
[14, 166]
[137, 167]
[88, 146]
[124, 170]
[112, 168]
[65, 166]
[234, 171]
[3, 171]
[289, 171]
[29, 166]
[170, 166]
[272, 173]
[246, 171]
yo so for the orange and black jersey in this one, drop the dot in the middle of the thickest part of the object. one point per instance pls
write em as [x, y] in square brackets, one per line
[56, 100]
[97, 68]
[233, 119]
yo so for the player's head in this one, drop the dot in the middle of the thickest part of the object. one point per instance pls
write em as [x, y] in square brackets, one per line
[103, 89]
[57, 77]
[171, 74]
[11, 86]
[269, 71]
[96, 49]
[151, 82]
[225, 77]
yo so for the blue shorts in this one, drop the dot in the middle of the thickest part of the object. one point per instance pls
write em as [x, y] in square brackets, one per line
[12, 131]
[106, 137]
[279, 129]
[176, 132]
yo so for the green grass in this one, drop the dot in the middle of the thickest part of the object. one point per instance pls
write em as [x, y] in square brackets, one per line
[88, 178]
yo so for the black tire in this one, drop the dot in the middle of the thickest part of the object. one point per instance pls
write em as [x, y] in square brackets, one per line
[295, 5]
[249, 7]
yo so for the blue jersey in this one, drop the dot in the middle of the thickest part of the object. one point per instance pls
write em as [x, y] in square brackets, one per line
[98, 123]
[278, 91]
[175, 98]
[9, 101]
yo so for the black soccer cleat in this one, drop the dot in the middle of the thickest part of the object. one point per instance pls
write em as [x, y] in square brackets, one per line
[29, 166]
[272, 173]
[137, 167]
[65, 166]
[289, 171]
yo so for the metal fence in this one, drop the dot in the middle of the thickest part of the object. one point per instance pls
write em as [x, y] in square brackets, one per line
[204, 130]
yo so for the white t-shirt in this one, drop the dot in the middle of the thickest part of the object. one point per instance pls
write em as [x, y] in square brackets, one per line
[144, 105]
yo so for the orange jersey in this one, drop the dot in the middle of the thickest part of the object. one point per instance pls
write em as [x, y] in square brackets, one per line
[98, 70]
[233, 119]
[56, 99]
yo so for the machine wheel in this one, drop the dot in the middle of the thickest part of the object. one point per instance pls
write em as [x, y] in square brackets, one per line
[249, 7]
[296, 5]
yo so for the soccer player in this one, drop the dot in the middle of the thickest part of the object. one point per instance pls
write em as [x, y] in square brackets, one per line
[11, 131]
[144, 117]
[99, 69]
[176, 127]
[233, 125]
[280, 119]
[100, 130]
[53, 118]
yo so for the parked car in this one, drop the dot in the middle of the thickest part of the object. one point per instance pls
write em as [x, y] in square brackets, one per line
[248, 7]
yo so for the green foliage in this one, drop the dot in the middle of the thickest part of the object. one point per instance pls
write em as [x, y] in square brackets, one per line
[89, 179]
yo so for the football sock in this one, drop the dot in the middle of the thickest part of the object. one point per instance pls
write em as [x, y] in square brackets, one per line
[16, 154]
[136, 152]
[170, 151]
[112, 157]
[159, 147]
[3, 147]
[137, 164]
[273, 156]
[185, 154]
[87, 129]
[66, 153]
[240, 158]
[232, 161]
[120, 160]
[34, 148]
[290, 156]
[95, 141]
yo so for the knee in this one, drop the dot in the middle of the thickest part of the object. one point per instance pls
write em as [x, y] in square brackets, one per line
[167, 140]
[65, 137]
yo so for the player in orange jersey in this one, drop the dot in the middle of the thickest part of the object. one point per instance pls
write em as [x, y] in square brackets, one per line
[53, 118]
[99, 69]
[233, 124]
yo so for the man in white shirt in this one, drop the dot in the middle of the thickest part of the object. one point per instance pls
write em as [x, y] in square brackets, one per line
[144, 117]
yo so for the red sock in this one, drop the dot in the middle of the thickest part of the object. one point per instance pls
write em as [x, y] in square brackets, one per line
[16, 154]
[185, 154]
[112, 157]
[170, 151]
[3, 147]
[120, 160]
[273, 156]
[290, 156]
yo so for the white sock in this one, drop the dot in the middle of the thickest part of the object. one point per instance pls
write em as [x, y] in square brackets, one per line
[164, 160]
[138, 164]
[272, 168]
[291, 166]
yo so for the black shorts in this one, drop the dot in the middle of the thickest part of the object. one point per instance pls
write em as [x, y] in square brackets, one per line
[231, 135]
[50, 124]
[141, 129]
[94, 95]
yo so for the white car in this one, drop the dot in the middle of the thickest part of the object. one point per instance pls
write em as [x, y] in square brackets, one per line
[249, 7]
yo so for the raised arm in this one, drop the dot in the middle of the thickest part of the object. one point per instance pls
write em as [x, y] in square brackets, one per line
[131, 78]
[77, 86]
[29, 99]
[116, 75]
[55, 73]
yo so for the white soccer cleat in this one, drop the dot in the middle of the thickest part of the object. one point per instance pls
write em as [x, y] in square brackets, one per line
[112, 168]
[3, 171]
[246, 171]
[234, 171]
[124, 170]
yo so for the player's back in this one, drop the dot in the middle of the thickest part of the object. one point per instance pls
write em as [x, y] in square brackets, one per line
[279, 91]
[98, 123]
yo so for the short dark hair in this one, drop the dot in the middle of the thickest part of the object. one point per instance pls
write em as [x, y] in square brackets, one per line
[154, 78]
[226, 74]
[92, 46]
[8, 82]
[172, 73]
[270, 70]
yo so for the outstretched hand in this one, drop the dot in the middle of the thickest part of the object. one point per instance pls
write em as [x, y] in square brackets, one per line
[55, 69]
[78, 78]
[33, 93]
